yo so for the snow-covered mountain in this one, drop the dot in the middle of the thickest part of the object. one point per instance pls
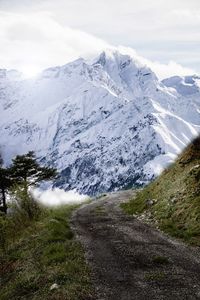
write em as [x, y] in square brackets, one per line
[104, 124]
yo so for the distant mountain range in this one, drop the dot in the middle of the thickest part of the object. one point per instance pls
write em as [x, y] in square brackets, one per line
[105, 124]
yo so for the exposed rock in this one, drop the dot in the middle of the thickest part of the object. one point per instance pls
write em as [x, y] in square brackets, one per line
[105, 124]
[54, 286]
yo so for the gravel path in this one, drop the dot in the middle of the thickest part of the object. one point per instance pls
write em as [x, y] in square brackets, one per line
[131, 260]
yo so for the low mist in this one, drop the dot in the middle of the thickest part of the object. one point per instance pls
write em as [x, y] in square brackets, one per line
[56, 197]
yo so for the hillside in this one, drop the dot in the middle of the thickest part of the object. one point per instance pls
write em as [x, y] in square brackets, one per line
[41, 259]
[173, 199]
[104, 124]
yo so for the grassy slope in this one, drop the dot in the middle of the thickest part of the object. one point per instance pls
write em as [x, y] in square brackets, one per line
[176, 197]
[43, 254]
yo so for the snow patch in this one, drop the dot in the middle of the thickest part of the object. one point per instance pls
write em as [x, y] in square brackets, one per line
[158, 164]
[102, 123]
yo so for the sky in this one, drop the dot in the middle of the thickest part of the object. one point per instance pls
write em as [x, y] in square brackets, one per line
[38, 34]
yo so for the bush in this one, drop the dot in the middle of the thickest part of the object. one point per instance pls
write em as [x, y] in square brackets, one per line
[23, 210]
[24, 206]
[3, 232]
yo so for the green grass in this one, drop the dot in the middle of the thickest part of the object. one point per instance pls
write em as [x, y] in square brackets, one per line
[176, 195]
[155, 276]
[160, 260]
[42, 254]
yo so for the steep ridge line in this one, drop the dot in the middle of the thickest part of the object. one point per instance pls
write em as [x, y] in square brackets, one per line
[104, 124]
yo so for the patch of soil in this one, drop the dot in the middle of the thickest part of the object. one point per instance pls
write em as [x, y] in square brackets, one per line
[131, 260]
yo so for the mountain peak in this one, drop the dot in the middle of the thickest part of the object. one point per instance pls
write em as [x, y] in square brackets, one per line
[117, 57]
[104, 124]
[185, 85]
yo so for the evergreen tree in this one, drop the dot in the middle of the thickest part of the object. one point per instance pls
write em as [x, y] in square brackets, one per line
[5, 184]
[26, 170]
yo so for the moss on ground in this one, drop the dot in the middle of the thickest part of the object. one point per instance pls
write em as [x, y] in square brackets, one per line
[174, 197]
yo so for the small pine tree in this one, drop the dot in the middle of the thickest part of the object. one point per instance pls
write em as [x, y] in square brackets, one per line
[5, 184]
[26, 171]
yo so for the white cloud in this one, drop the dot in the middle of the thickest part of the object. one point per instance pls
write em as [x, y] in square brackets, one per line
[31, 42]
[36, 41]
[56, 197]
[170, 69]
[162, 70]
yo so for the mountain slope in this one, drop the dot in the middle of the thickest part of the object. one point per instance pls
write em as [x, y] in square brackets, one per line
[173, 199]
[105, 124]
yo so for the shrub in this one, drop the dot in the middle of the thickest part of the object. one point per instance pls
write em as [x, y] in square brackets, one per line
[24, 206]
[3, 232]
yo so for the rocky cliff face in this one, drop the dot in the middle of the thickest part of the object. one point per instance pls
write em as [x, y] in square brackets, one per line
[104, 124]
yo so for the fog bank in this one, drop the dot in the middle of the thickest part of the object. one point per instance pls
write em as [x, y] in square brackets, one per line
[56, 197]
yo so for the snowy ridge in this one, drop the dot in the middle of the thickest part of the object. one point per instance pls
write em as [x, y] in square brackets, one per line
[105, 124]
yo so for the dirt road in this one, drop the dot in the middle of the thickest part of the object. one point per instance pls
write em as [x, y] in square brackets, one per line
[131, 260]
